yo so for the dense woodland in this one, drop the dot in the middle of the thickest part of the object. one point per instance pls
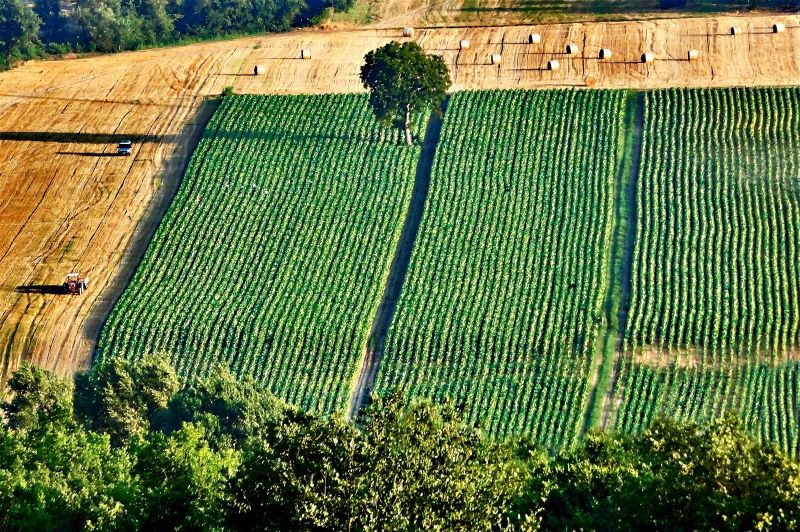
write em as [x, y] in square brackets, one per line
[131, 447]
[33, 29]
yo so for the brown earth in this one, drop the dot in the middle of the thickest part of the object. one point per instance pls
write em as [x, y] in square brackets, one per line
[66, 204]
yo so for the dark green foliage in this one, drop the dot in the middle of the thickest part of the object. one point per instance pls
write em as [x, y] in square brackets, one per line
[120, 399]
[38, 398]
[19, 31]
[116, 25]
[226, 455]
[403, 79]
[674, 476]
[53, 24]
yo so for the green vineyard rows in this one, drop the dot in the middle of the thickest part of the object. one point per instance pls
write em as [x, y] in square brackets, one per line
[273, 255]
[501, 305]
[715, 318]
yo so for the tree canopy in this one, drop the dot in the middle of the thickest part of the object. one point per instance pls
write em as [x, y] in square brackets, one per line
[403, 79]
[30, 30]
[128, 446]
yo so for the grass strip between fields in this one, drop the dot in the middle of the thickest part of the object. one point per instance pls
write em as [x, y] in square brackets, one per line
[619, 258]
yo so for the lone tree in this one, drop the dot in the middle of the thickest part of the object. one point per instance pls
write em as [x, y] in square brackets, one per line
[402, 79]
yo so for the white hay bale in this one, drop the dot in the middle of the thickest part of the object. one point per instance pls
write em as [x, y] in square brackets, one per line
[553, 64]
[736, 30]
[305, 53]
[605, 53]
[408, 32]
[258, 70]
[495, 59]
[693, 54]
[572, 48]
[648, 57]
[778, 27]
[463, 44]
[534, 38]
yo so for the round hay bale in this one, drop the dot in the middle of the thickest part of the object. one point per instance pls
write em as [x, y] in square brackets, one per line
[495, 59]
[534, 38]
[736, 30]
[693, 54]
[305, 53]
[258, 70]
[463, 44]
[778, 27]
[553, 64]
[590, 80]
[408, 32]
[648, 57]
[605, 53]
[572, 48]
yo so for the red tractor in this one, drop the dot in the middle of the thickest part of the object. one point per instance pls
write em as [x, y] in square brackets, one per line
[75, 284]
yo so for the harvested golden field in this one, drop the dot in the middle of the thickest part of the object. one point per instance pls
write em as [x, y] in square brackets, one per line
[66, 203]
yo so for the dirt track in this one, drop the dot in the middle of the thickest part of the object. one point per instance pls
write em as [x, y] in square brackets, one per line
[65, 204]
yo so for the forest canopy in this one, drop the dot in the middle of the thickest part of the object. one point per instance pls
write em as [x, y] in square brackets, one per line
[131, 447]
[48, 26]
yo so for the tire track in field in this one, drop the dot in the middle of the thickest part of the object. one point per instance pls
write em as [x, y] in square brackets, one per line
[376, 342]
[626, 267]
[606, 360]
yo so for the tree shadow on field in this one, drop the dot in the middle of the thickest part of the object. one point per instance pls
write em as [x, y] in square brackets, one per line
[83, 138]
[41, 289]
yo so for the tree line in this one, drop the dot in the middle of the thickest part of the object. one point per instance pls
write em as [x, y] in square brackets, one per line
[131, 447]
[33, 29]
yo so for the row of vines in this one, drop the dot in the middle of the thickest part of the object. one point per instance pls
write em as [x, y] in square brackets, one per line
[501, 306]
[715, 308]
[273, 255]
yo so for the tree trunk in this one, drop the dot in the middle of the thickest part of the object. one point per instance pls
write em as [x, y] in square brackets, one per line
[408, 125]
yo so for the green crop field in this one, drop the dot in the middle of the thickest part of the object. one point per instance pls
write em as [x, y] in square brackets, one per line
[715, 318]
[502, 302]
[584, 258]
[272, 258]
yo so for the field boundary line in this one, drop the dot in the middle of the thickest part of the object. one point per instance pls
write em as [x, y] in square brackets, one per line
[171, 174]
[373, 351]
[626, 264]
[607, 353]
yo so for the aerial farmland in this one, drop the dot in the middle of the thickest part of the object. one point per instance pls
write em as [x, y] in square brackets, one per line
[600, 227]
